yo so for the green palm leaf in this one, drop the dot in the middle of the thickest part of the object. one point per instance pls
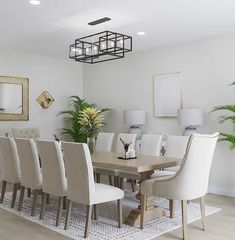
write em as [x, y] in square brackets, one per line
[228, 138]
[230, 108]
[72, 118]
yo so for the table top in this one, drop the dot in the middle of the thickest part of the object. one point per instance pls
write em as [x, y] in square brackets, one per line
[142, 163]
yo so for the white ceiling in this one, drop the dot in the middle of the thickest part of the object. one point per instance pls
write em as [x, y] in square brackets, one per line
[48, 29]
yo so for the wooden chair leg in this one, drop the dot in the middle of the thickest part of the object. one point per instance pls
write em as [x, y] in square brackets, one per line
[133, 185]
[184, 219]
[110, 180]
[48, 198]
[15, 188]
[122, 183]
[35, 198]
[88, 221]
[202, 205]
[119, 213]
[44, 199]
[28, 192]
[172, 208]
[115, 181]
[97, 177]
[59, 210]
[68, 214]
[64, 202]
[143, 204]
[22, 190]
[95, 212]
[4, 183]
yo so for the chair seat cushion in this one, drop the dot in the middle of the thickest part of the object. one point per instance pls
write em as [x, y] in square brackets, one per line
[164, 173]
[106, 193]
[148, 186]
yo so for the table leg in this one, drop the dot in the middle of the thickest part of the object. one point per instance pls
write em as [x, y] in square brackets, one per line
[152, 212]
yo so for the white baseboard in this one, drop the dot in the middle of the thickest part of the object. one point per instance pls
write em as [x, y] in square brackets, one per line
[230, 192]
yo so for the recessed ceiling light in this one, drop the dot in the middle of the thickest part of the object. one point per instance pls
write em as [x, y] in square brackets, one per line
[35, 2]
[141, 33]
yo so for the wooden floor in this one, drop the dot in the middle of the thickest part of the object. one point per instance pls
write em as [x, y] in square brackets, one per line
[220, 226]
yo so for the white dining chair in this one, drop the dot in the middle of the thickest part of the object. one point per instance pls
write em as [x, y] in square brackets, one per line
[31, 176]
[11, 167]
[104, 143]
[175, 148]
[54, 176]
[150, 145]
[190, 182]
[31, 132]
[81, 186]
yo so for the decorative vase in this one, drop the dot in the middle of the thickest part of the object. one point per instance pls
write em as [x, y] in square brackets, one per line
[91, 144]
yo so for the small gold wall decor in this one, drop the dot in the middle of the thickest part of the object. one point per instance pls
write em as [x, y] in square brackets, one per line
[45, 99]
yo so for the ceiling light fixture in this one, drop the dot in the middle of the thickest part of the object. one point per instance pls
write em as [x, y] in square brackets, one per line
[140, 33]
[100, 47]
[35, 2]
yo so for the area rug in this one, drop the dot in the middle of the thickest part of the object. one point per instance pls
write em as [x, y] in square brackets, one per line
[105, 228]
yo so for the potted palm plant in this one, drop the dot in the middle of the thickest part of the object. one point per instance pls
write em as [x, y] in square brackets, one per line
[229, 137]
[91, 121]
[75, 127]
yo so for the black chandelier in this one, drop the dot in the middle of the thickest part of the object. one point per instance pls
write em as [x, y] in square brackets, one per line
[100, 47]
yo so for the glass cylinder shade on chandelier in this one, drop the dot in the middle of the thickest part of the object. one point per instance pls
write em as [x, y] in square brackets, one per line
[135, 119]
[191, 118]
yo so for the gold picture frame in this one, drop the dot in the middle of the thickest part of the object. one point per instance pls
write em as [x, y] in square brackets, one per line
[45, 100]
[24, 115]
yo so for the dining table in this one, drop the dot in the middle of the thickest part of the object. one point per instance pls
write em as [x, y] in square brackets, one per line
[144, 165]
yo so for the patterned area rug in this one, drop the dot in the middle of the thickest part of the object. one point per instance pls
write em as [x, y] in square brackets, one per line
[105, 228]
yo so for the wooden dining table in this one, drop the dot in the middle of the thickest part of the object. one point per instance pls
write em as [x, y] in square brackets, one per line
[144, 165]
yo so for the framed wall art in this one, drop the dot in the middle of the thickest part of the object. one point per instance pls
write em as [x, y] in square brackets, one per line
[167, 94]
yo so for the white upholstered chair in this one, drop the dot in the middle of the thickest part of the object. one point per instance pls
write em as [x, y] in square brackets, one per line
[150, 145]
[32, 132]
[53, 172]
[104, 143]
[191, 180]
[81, 186]
[31, 176]
[11, 168]
[175, 148]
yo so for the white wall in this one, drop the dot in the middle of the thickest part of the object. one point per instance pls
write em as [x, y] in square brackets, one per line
[207, 67]
[61, 78]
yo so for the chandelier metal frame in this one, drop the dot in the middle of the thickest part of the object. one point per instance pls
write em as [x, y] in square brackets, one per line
[100, 47]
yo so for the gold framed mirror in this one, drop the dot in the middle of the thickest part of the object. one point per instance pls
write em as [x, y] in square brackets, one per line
[14, 98]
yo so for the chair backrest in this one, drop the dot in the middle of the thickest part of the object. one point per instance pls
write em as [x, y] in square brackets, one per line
[32, 132]
[104, 142]
[127, 138]
[151, 144]
[29, 163]
[193, 176]
[81, 186]
[53, 168]
[10, 160]
[176, 146]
